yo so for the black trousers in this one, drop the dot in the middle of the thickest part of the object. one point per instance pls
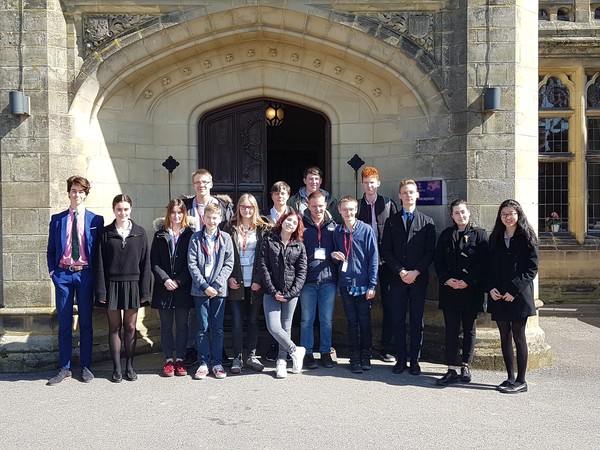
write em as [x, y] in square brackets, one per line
[453, 321]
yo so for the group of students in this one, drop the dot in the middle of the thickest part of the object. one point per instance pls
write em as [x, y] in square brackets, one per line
[206, 253]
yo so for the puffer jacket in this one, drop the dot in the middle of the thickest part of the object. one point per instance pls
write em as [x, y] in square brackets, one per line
[171, 266]
[238, 294]
[282, 267]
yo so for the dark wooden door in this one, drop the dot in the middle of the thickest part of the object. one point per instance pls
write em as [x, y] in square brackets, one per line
[233, 146]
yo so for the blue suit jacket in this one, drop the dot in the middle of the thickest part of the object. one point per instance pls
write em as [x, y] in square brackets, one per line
[57, 237]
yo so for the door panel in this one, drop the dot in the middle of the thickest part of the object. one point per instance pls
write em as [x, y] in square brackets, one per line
[233, 146]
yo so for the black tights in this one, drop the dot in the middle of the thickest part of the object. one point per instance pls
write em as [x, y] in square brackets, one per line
[115, 322]
[509, 331]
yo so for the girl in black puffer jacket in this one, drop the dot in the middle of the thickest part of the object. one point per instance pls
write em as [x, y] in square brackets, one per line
[282, 267]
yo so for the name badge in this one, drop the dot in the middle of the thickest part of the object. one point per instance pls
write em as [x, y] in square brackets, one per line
[208, 268]
[344, 266]
[320, 253]
[245, 261]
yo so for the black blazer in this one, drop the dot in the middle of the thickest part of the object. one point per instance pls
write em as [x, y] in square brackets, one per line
[464, 257]
[512, 270]
[409, 251]
[384, 208]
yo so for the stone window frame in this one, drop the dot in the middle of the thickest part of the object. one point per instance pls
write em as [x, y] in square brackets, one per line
[565, 208]
[592, 158]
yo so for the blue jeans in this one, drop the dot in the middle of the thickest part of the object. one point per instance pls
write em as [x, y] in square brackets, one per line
[181, 331]
[313, 296]
[239, 310]
[69, 285]
[278, 316]
[209, 340]
[358, 315]
[407, 298]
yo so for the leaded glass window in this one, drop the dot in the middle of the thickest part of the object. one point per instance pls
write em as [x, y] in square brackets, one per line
[553, 135]
[593, 206]
[553, 95]
[553, 195]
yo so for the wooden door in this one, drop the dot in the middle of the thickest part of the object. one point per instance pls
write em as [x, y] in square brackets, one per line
[233, 146]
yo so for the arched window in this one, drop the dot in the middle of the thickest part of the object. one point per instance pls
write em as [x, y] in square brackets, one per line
[563, 14]
[543, 14]
[597, 14]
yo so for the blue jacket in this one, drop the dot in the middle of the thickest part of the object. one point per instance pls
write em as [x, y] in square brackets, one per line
[363, 259]
[223, 264]
[57, 236]
[319, 270]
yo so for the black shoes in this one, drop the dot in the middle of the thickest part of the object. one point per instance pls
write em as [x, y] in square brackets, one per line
[514, 388]
[399, 367]
[310, 362]
[62, 374]
[465, 374]
[415, 369]
[355, 367]
[272, 353]
[504, 384]
[117, 377]
[327, 360]
[86, 375]
[131, 375]
[365, 363]
[450, 377]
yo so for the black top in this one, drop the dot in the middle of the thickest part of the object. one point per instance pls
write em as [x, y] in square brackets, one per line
[512, 270]
[121, 259]
[463, 256]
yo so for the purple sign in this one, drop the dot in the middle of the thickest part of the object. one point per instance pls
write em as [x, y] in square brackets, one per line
[430, 192]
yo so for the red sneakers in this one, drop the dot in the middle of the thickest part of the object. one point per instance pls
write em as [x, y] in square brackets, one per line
[168, 369]
[180, 369]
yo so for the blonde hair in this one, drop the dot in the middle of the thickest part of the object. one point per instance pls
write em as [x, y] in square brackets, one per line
[256, 219]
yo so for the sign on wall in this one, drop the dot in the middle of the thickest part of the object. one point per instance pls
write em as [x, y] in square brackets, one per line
[431, 192]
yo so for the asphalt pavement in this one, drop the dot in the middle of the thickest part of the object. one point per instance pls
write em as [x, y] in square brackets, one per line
[322, 408]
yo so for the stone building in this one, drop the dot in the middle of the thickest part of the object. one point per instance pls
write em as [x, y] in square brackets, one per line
[116, 88]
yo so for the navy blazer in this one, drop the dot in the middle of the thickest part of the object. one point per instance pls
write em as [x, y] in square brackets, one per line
[409, 252]
[57, 237]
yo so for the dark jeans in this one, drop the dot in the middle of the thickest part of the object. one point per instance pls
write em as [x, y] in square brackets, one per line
[358, 315]
[181, 331]
[241, 309]
[387, 322]
[407, 298]
[453, 320]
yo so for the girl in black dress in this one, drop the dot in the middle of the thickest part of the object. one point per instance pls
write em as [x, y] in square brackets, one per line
[512, 269]
[460, 262]
[123, 278]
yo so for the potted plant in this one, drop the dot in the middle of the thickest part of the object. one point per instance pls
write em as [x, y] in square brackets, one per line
[553, 222]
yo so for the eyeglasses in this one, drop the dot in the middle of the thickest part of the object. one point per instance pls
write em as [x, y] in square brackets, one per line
[510, 214]
[202, 183]
[246, 208]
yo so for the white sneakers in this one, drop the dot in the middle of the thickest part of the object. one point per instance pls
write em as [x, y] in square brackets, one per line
[281, 368]
[201, 372]
[298, 359]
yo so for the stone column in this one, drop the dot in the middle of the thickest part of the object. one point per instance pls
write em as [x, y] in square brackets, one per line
[502, 51]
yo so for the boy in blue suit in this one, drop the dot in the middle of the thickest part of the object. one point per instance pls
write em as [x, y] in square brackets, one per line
[71, 247]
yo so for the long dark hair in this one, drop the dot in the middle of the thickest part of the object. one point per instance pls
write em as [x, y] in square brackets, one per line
[523, 226]
[297, 235]
[176, 203]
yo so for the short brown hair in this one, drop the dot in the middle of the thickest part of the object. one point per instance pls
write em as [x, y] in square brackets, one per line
[368, 172]
[81, 181]
[347, 199]
[201, 172]
[316, 195]
[213, 208]
[313, 170]
[281, 186]
[405, 182]
[121, 198]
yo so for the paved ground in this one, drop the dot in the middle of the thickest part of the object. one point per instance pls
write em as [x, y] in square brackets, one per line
[324, 408]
